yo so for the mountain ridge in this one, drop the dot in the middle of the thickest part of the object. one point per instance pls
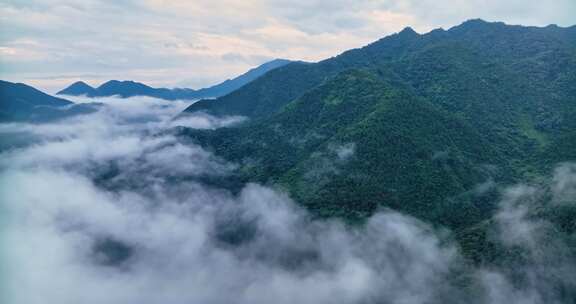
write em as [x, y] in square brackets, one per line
[433, 125]
[129, 88]
[385, 49]
[78, 88]
[21, 102]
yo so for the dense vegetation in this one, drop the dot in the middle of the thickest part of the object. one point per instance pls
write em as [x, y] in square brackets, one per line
[432, 125]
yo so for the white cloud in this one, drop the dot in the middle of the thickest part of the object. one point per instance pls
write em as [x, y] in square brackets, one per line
[189, 242]
[108, 208]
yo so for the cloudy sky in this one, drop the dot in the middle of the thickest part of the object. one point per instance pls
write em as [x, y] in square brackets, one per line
[50, 43]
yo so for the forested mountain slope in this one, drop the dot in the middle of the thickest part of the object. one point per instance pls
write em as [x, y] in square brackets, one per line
[432, 125]
[357, 142]
[494, 75]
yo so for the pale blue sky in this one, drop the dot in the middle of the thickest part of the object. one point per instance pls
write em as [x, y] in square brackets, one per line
[50, 43]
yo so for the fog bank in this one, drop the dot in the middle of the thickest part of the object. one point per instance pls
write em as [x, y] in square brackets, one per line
[106, 208]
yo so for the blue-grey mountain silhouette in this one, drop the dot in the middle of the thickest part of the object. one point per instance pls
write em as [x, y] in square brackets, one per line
[127, 88]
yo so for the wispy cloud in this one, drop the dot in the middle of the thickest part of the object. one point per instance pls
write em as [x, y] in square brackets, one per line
[169, 43]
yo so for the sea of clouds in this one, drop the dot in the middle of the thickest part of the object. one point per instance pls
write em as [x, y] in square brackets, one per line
[109, 208]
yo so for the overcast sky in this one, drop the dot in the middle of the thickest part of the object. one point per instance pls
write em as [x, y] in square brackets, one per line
[50, 43]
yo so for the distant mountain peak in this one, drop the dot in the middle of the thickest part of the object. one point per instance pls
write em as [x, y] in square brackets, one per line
[129, 88]
[81, 84]
[277, 61]
[77, 88]
[114, 82]
[408, 31]
[475, 21]
[126, 88]
[231, 85]
[267, 66]
[473, 24]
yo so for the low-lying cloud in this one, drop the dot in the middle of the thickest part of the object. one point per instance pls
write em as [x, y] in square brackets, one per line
[107, 208]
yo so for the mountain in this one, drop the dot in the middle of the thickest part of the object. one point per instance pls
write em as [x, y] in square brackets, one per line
[428, 124]
[78, 88]
[231, 85]
[401, 53]
[126, 89]
[20, 102]
[359, 142]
